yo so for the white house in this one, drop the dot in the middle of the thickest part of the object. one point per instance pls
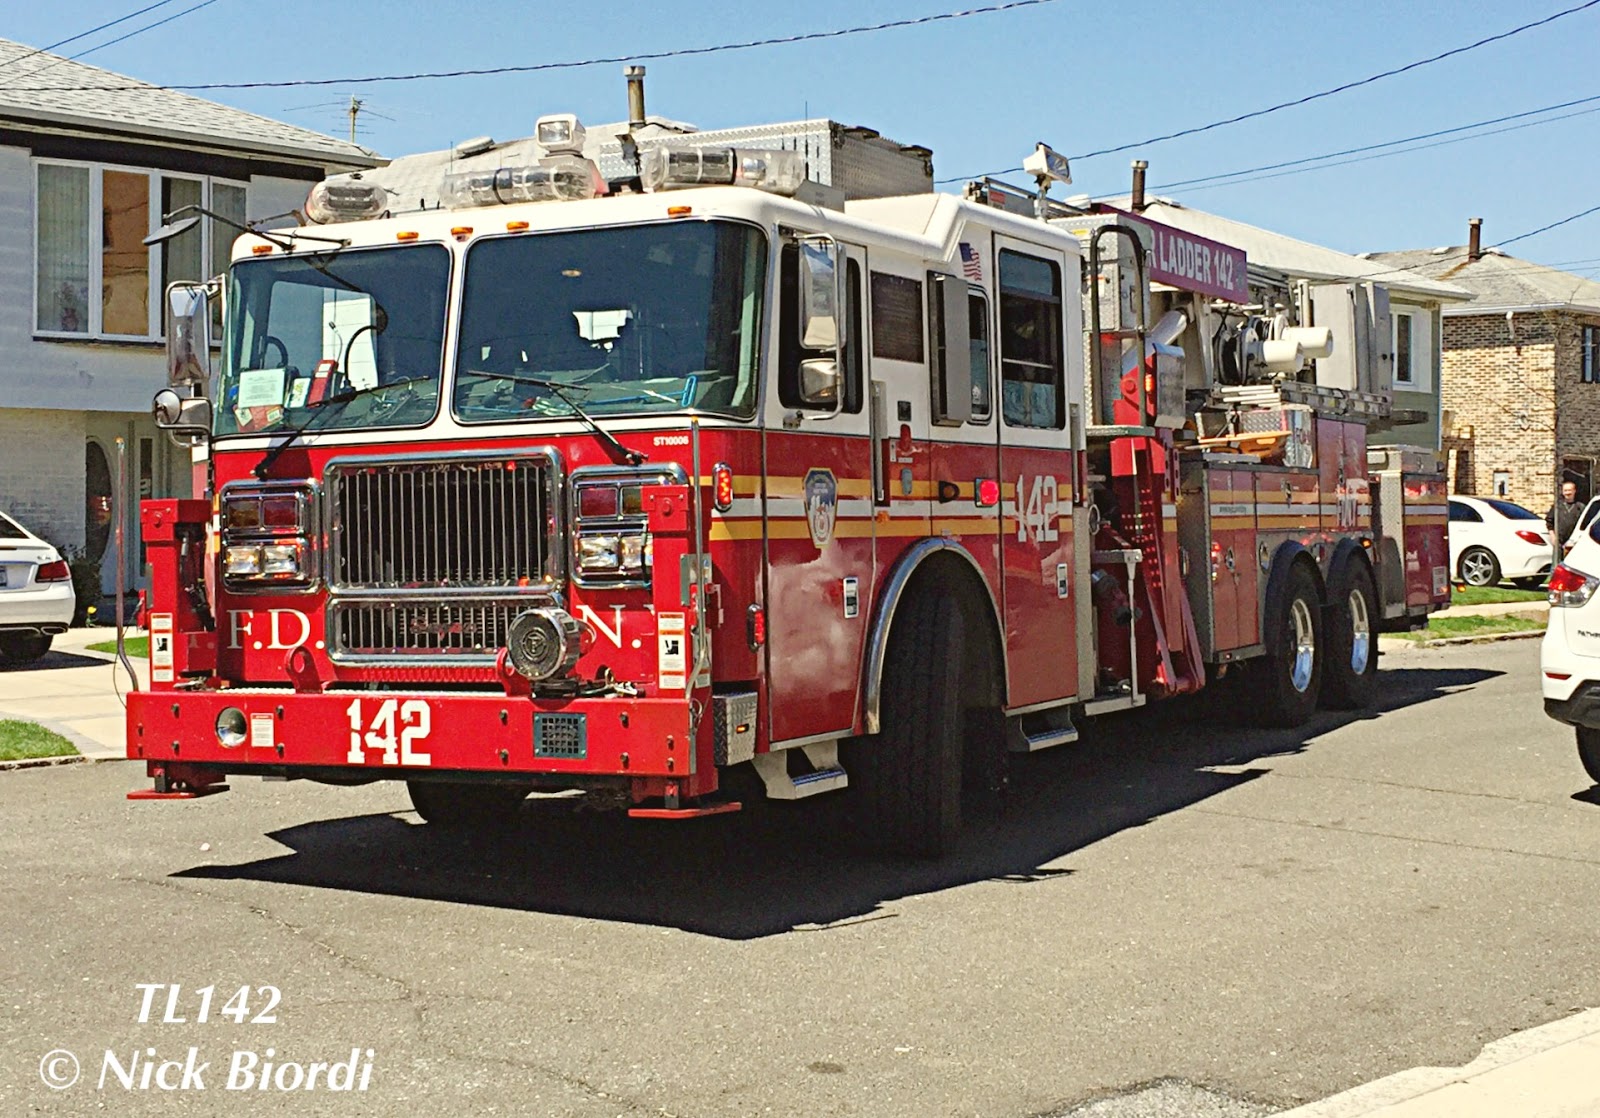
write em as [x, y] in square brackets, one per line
[89, 161]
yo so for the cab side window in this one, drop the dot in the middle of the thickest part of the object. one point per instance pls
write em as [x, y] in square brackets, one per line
[978, 322]
[1032, 366]
[791, 353]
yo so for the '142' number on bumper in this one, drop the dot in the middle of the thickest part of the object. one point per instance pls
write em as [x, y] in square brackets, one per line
[394, 730]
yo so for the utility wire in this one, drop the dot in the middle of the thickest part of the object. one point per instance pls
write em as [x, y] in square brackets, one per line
[685, 52]
[1385, 144]
[146, 27]
[1195, 131]
[86, 34]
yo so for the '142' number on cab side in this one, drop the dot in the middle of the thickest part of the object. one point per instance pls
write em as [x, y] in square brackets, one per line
[413, 719]
[1038, 517]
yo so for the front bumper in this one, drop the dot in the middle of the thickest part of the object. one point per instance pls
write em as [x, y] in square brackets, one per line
[365, 735]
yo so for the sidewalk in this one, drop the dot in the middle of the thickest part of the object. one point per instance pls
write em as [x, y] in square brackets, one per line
[1552, 1071]
[73, 692]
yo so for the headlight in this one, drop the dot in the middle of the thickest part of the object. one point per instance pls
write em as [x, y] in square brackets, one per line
[282, 560]
[634, 555]
[598, 553]
[242, 561]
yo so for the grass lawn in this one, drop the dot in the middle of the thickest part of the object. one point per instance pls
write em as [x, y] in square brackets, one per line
[1489, 595]
[1441, 627]
[136, 646]
[23, 741]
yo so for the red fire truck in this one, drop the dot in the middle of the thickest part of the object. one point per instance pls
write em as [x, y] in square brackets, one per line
[625, 472]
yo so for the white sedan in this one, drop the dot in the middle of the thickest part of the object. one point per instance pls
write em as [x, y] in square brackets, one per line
[1570, 657]
[1491, 540]
[36, 595]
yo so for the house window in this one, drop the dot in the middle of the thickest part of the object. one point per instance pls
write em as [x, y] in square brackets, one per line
[1591, 355]
[1404, 351]
[94, 276]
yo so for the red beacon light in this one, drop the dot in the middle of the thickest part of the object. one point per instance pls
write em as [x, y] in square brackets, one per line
[986, 493]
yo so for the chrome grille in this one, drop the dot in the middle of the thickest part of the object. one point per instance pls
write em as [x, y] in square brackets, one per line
[460, 631]
[469, 521]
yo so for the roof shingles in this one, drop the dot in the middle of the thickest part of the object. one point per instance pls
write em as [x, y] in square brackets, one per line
[41, 88]
[1497, 281]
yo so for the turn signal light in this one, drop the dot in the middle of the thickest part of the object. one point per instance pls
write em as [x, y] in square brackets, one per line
[1536, 538]
[755, 627]
[722, 486]
[986, 492]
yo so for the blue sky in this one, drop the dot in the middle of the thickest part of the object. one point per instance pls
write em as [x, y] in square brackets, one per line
[979, 91]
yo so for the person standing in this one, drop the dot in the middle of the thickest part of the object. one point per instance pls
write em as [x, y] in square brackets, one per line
[1563, 515]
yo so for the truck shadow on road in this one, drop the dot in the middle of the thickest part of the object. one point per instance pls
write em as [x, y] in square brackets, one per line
[779, 868]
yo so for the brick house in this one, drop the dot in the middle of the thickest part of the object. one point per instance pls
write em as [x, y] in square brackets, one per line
[1521, 372]
[89, 160]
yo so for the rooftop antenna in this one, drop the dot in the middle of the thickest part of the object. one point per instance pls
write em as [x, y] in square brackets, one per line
[355, 111]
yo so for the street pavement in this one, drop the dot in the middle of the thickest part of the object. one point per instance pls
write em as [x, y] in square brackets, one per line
[1176, 916]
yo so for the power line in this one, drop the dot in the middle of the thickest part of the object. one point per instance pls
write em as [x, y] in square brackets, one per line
[1552, 225]
[146, 27]
[1388, 144]
[86, 34]
[1198, 129]
[685, 52]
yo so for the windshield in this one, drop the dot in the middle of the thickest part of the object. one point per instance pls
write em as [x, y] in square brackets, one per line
[644, 318]
[305, 328]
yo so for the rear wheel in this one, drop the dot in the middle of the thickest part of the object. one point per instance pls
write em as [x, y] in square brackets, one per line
[455, 805]
[1293, 663]
[905, 782]
[1351, 675]
[1589, 752]
[23, 648]
[1479, 567]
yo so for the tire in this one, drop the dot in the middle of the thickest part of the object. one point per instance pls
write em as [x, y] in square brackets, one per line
[23, 648]
[1478, 567]
[1293, 663]
[1350, 676]
[456, 805]
[1589, 752]
[905, 782]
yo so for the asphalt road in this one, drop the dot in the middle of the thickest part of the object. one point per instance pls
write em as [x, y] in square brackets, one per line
[1177, 916]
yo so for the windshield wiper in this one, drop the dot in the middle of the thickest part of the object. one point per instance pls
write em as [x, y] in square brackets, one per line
[631, 457]
[316, 410]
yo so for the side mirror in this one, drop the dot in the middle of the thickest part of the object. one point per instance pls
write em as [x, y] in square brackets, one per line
[188, 322]
[821, 324]
[182, 416]
[820, 381]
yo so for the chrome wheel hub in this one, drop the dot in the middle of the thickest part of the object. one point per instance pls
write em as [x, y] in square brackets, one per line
[1305, 644]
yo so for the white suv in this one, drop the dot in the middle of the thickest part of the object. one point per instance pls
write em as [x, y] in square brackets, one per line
[36, 595]
[1570, 657]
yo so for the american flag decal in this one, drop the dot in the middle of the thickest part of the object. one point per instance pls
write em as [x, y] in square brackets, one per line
[971, 265]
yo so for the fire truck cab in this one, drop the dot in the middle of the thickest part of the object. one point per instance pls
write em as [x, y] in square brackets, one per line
[620, 482]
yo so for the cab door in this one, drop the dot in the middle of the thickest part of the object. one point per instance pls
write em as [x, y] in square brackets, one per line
[819, 520]
[1037, 327]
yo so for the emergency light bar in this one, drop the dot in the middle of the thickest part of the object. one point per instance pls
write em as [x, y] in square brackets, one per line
[345, 200]
[670, 167]
[566, 178]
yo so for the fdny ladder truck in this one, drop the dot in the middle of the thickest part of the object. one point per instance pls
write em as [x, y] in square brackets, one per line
[638, 464]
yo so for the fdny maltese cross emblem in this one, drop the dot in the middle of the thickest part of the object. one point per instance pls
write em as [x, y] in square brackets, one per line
[822, 505]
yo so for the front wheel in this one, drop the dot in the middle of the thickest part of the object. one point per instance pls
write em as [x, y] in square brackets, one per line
[1589, 752]
[1293, 663]
[1351, 679]
[1479, 567]
[905, 782]
[455, 805]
